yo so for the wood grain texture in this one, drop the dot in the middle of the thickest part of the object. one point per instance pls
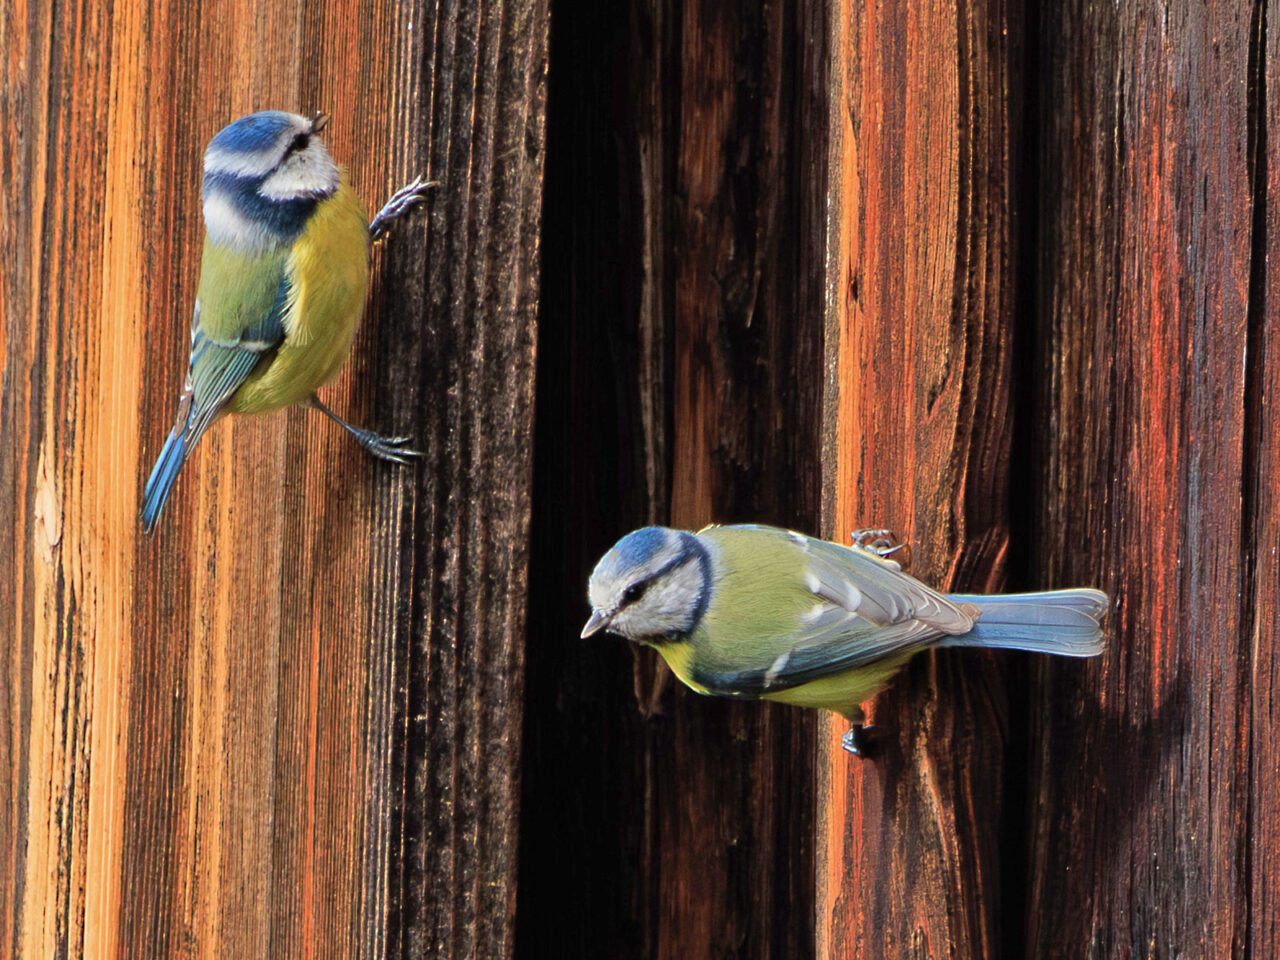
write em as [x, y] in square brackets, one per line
[734, 787]
[286, 725]
[680, 359]
[996, 275]
[1261, 501]
[919, 308]
[1154, 471]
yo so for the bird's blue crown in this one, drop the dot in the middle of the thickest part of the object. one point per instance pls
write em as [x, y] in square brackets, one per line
[640, 546]
[254, 133]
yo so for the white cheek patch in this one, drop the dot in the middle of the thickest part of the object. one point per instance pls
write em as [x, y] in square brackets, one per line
[228, 227]
[683, 588]
[310, 172]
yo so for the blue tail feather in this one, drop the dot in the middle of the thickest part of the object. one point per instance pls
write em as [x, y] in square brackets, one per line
[163, 474]
[1067, 623]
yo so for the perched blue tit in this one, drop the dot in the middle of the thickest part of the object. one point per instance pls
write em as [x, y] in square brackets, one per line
[282, 284]
[762, 613]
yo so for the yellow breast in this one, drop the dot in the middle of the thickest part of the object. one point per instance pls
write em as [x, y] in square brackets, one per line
[843, 692]
[679, 657]
[328, 270]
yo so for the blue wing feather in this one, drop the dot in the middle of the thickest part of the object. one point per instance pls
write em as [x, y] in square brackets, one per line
[161, 480]
[216, 370]
[863, 610]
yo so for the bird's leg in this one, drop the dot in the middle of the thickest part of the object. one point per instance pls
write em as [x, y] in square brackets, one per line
[878, 543]
[858, 739]
[384, 448]
[870, 539]
[401, 202]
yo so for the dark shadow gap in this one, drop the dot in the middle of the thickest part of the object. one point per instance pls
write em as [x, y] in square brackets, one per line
[584, 885]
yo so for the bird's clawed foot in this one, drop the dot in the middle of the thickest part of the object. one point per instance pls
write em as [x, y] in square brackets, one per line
[391, 449]
[859, 740]
[881, 544]
[401, 202]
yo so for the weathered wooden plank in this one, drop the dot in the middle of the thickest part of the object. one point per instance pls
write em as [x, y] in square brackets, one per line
[238, 737]
[70, 418]
[733, 788]
[920, 283]
[1261, 501]
[692, 240]
[487, 87]
[1141, 761]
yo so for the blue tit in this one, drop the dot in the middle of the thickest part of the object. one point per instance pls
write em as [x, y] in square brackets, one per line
[282, 284]
[762, 613]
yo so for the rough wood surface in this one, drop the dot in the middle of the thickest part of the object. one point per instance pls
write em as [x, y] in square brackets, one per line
[1121, 807]
[734, 786]
[287, 725]
[1049, 346]
[1261, 628]
[680, 352]
[996, 275]
[920, 319]
[1153, 783]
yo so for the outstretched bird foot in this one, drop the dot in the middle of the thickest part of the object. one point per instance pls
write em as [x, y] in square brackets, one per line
[391, 449]
[401, 202]
[859, 740]
[879, 543]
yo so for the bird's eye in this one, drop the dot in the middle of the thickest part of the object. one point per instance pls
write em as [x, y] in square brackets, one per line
[634, 592]
[300, 142]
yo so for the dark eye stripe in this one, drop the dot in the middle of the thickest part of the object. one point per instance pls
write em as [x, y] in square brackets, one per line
[300, 142]
[634, 592]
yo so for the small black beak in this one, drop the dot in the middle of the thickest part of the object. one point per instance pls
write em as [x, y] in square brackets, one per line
[597, 623]
[319, 122]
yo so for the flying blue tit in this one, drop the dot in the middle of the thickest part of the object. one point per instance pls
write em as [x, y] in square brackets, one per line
[282, 284]
[762, 613]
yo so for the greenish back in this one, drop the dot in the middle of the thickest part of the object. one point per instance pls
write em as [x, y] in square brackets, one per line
[238, 290]
[758, 598]
[787, 610]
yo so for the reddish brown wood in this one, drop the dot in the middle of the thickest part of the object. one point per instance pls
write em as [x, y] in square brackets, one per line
[733, 786]
[287, 724]
[1141, 787]
[919, 331]
[1104, 319]
[1262, 491]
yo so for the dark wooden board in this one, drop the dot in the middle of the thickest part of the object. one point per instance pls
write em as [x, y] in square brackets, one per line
[1261, 501]
[680, 355]
[1153, 483]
